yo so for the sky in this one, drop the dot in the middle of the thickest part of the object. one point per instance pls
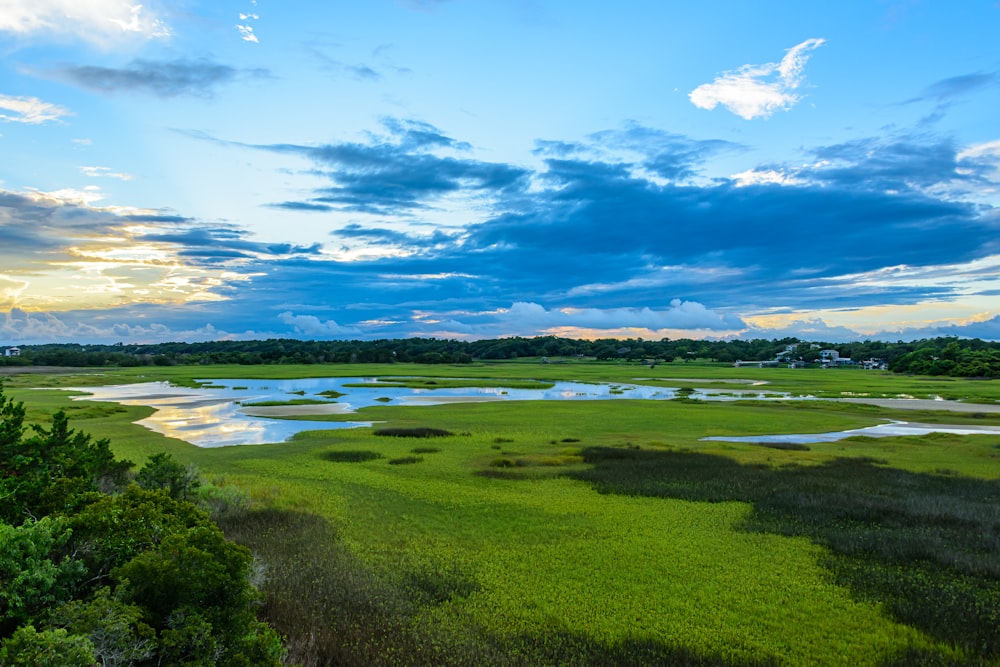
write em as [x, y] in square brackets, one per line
[201, 170]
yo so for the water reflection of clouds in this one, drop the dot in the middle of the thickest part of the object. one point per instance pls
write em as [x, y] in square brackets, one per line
[213, 415]
[893, 429]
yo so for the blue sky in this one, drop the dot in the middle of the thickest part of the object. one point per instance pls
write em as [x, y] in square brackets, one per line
[481, 168]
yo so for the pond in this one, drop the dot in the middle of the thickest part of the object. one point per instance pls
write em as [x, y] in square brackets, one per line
[222, 412]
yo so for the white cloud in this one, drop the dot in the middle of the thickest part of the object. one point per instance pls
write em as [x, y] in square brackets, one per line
[764, 177]
[679, 315]
[95, 21]
[246, 33]
[105, 172]
[310, 325]
[30, 110]
[757, 91]
[33, 327]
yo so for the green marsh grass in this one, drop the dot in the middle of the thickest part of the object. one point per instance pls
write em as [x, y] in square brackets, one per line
[644, 545]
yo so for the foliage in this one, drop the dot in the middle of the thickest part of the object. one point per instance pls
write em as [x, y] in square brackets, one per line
[136, 576]
[37, 570]
[48, 648]
[162, 471]
[52, 470]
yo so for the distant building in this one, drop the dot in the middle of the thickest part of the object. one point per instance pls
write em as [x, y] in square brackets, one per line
[829, 358]
[12, 352]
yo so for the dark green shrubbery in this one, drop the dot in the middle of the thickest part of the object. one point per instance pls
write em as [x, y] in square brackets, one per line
[95, 570]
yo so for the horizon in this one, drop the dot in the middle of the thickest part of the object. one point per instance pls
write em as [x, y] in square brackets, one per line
[484, 170]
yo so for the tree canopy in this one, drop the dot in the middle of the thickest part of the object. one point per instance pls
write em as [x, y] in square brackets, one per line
[99, 568]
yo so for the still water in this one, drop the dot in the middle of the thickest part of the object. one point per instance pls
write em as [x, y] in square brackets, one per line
[217, 414]
[214, 415]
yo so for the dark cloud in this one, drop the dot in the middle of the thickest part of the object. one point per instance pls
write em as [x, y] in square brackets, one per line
[957, 86]
[595, 229]
[594, 242]
[899, 164]
[161, 78]
[223, 243]
[399, 173]
[302, 206]
[389, 236]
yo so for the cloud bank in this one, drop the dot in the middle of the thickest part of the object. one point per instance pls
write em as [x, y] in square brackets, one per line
[619, 233]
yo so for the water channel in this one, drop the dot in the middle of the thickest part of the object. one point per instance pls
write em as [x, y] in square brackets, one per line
[220, 412]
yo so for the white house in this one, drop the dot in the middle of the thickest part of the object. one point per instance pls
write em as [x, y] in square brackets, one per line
[12, 352]
[832, 358]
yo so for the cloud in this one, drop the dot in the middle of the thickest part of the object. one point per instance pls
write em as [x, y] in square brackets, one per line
[105, 172]
[407, 170]
[164, 79]
[247, 33]
[72, 254]
[757, 91]
[957, 86]
[615, 234]
[310, 325]
[110, 326]
[97, 21]
[30, 110]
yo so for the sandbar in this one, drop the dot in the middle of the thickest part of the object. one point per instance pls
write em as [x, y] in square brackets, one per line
[431, 400]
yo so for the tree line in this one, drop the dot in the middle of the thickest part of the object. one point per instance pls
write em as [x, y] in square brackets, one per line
[935, 356]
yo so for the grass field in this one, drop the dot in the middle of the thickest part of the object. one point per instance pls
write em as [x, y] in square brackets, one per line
[608, 532]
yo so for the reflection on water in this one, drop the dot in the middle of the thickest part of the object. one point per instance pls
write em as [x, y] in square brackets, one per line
[206, 417]
[880, 431]
[212, 415]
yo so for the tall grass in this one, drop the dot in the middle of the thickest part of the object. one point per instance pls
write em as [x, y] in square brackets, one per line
[925, 546]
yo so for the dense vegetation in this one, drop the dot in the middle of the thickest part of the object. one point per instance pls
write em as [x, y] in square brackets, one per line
[98, 569]
[937, 356]
[592, 533]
